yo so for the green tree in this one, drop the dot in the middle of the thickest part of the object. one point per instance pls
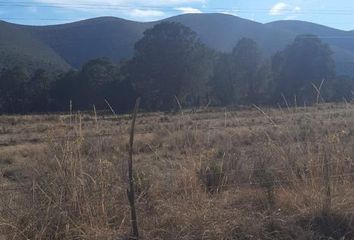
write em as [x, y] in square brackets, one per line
[13, 95]
[63, 90]
[342, 88]
[170, 61]
[98, 80]
[253, 73]
[242, 77]
[38, 91]
[301, 66]
[92, 80]
[224, 80]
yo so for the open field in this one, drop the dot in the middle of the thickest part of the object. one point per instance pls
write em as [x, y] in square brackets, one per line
[211, 174]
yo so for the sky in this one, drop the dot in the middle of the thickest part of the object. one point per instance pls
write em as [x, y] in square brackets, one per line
[334, 13]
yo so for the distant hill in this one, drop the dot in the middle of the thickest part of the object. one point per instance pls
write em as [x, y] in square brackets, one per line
[222, 32]
[85, 40]
[76, 43]
[19, 47]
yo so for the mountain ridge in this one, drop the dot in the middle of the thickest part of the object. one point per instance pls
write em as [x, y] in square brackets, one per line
[75, 43]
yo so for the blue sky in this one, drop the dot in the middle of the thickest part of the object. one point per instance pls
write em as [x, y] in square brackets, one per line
[338, 14]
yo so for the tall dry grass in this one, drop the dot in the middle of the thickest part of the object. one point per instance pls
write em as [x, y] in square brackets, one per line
[205, 175]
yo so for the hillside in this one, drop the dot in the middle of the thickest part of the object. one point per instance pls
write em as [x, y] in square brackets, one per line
[222, 32]
[85, 40]
[20, 47]
[76, 43]
[115, 37]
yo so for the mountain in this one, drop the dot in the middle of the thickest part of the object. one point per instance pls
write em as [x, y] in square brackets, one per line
[85, 40]
[115, 38]
[75, 43]
[222, 32]
[19, 47]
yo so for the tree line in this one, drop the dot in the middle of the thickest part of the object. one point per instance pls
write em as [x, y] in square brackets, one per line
[172, 66]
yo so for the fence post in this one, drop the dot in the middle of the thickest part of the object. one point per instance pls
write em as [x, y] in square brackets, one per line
[327, 178]
[131, 190]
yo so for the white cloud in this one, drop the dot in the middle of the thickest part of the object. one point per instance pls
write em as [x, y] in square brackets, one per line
[188, 10]
[169, 2]
[137, 9]
[68, 3]
[282, 8]
[138, 13]
[278, 8]
[125, 3]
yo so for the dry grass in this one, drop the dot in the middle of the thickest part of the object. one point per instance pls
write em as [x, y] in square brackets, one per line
[212, 174]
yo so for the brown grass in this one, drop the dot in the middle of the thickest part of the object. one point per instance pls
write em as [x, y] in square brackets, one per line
[215, 174]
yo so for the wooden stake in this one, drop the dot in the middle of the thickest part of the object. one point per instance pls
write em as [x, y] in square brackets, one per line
[328, 198]
[131, 190]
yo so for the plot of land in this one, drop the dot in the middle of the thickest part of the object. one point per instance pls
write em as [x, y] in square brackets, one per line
[206, 174]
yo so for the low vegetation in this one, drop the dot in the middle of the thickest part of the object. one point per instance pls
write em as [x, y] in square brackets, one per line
[250, 173]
